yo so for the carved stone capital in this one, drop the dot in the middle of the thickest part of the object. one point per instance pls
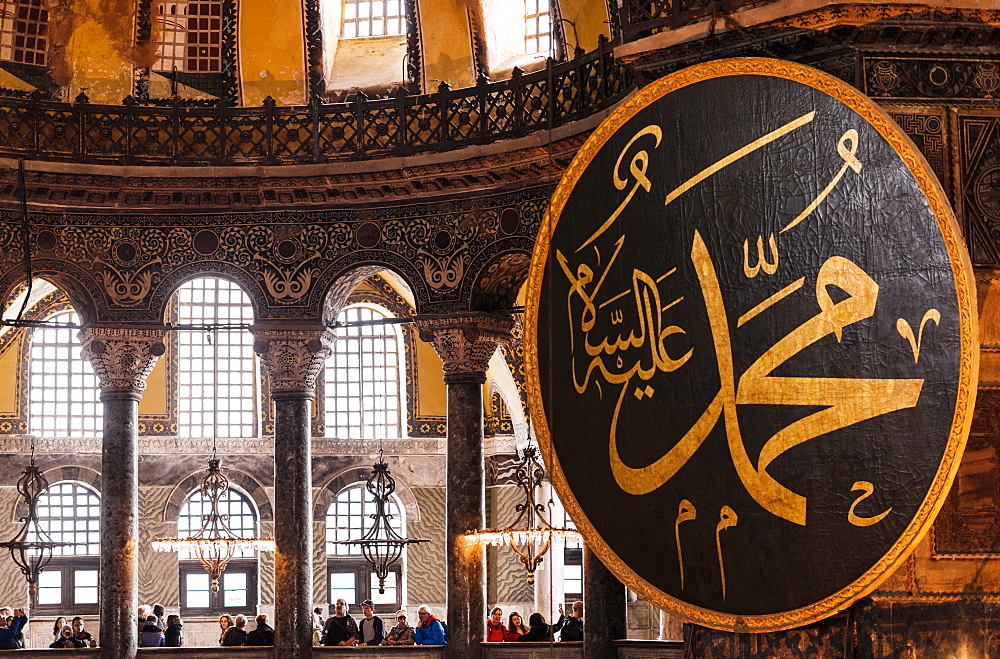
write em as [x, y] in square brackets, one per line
[465, 343]
[122, 358]
[293, 358]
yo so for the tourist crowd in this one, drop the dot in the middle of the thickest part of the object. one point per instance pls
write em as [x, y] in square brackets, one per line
[155, 632]
[342, 629]
[538, 630]
[339, 629]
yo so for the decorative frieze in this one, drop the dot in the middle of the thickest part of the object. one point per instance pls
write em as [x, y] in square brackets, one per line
[226, 446]
[122, 358]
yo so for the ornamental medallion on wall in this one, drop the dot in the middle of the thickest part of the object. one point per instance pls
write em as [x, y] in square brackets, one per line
[752, 344]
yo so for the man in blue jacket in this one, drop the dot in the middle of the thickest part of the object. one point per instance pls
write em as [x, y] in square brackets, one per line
[430, 630]
[8, 633]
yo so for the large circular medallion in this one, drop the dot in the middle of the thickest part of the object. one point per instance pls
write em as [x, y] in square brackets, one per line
[751, 344]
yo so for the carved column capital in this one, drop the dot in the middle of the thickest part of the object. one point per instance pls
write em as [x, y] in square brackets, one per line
[465, 342]
[293, 358]
[122, 357]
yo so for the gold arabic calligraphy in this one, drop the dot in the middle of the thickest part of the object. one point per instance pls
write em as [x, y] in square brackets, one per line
[643, 352]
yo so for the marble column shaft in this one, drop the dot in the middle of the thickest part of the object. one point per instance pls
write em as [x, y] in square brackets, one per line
[604, 608]
[293, 359]
[465, 344]
[122, 360]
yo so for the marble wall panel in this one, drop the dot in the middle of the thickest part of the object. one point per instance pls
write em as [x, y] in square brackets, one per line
[426, 561]
[158, 571]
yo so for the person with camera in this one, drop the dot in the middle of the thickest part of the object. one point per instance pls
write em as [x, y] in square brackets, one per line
[10, 632]
[67, 640]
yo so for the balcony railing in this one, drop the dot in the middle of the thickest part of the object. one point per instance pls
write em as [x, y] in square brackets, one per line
[640, 18]
[360, 129]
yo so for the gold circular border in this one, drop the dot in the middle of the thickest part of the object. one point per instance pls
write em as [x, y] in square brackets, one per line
[968, 322]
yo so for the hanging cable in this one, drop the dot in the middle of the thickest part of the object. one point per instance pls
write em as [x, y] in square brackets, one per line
[213, 340]
[25, 239]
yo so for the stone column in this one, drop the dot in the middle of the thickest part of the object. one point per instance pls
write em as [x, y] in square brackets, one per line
[603, 608]
[122, 360]
[292, 359]
[465, 344]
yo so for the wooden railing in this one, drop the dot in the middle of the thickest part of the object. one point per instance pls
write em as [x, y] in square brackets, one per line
[271, 135]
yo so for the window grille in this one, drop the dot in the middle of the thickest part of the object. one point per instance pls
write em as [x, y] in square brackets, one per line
[233, 403]
[189, 36]
[362, 378]
[64, 396]
[537, 26]
[24, 28]
[373, 18]
[70, 512]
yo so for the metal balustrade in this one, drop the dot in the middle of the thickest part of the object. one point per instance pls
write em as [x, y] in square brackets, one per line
[639, 18]
[133, 134]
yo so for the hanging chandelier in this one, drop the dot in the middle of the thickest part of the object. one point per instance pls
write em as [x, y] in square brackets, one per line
[381, 545]
[215, 544]
[530, 535]
[32, 547]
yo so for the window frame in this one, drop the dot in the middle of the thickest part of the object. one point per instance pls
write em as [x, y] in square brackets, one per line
[68, 566]
[357, 20]
[34, 28]
[365, 429]
[363, 590]
[217, 600]
[182, 37]
[572, 556]
[534, 19]
[228, 346]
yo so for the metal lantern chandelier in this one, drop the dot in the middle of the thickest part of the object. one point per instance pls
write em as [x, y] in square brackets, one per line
[215, 544]
[32, 547]
[381, 545]
[530, 535]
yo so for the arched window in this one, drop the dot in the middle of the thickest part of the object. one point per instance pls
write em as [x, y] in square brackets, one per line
[349, 574]
[64, 398]
[229, 407]
[24, 27]
[238, 585]
[70, 512]
[363, 389]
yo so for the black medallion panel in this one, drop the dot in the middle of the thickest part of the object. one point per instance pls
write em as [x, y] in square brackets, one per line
[752, 349]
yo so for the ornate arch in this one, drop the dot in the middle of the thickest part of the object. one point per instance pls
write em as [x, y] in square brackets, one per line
[498, 276]
[73, 281]
[243, 482]
[328, 493]
[162, 295]
[340, 280]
